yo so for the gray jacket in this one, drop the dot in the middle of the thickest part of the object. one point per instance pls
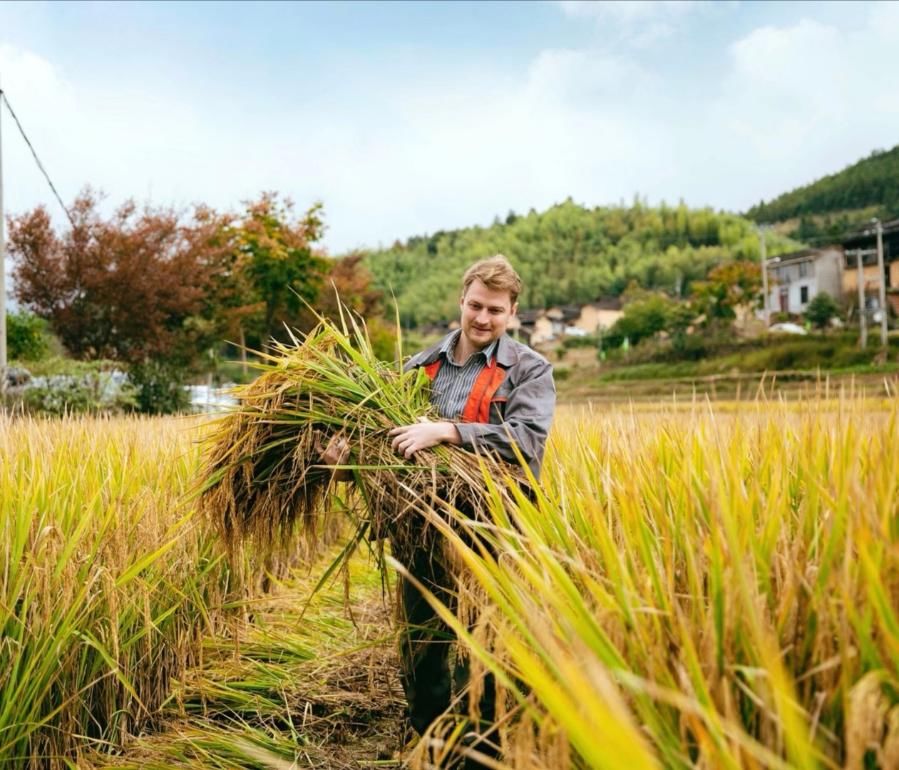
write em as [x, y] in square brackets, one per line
[521, 410]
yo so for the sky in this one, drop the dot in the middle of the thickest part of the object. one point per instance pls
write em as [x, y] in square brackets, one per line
[410, 117]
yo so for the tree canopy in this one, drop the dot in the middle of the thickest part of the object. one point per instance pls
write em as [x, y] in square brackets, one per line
[273, 265]
[122, 287]
[871, 185]
[157, 285]
[569, 254]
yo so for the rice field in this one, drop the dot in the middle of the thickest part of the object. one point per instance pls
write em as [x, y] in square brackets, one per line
[107, 584]
[699, 586]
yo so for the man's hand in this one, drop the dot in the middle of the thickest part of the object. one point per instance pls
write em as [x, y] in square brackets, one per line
[336, 453]
[409, 439]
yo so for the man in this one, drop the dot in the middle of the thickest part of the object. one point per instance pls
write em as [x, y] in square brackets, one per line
[493, 394]
[485, 384]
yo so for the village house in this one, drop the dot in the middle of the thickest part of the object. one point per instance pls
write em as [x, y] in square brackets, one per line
[601, 314]
[541, 326]
[866, 241]
[794, 279]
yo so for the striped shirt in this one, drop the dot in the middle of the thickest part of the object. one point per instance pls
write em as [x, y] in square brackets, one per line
[452, 385]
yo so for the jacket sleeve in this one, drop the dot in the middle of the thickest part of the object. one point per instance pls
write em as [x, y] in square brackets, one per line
[527, 420]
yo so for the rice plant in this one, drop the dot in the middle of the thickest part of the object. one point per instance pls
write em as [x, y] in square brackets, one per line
[301, 683]
[107, 583]
[711, 589]
[689, 586]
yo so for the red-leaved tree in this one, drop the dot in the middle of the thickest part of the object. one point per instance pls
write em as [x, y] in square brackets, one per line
[127, 287]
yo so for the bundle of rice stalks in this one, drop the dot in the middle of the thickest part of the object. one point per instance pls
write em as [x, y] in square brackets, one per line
[265, 479]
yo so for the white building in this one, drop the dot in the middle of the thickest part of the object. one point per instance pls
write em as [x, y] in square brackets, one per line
[794, 279]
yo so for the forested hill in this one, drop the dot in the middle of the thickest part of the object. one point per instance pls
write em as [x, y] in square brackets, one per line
[568, 254]
[864, 189]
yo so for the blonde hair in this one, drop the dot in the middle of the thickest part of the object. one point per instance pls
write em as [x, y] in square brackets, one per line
[496, 273]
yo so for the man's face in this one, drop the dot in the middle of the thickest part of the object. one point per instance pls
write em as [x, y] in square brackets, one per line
[485, 314]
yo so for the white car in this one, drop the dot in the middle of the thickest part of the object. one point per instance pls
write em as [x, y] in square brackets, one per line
[787, 328]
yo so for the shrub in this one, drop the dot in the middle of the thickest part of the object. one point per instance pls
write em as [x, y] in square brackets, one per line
[821, 309]
[587, 341]
[691, 347]
[159, 388]
[382, 336]
[85, 389]
[26, 336]
[643, 317]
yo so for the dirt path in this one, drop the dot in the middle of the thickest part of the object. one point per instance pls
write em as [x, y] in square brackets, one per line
[285, 690]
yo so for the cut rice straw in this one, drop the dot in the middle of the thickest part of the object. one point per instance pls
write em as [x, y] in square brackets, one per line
[265, 482]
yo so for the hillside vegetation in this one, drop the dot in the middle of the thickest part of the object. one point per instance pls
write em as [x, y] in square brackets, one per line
[568, 254]
[839, 201]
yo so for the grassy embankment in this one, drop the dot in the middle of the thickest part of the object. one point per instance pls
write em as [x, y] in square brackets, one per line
[792, 366]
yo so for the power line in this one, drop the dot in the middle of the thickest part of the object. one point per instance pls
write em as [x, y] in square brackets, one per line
[4, 98]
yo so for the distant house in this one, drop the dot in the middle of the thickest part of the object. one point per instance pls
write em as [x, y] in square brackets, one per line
[538, 327]
[601, 314]
[866, 241]
[526, 320]
[542, 326]
[794, 279]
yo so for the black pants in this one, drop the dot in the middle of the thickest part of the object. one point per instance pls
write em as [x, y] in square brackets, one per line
[426, 645]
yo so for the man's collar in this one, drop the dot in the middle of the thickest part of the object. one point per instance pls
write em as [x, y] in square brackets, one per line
[449, 343]
[505, 351]
[500, 348]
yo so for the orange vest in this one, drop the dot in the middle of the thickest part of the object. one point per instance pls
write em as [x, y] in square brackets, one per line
[477, 408]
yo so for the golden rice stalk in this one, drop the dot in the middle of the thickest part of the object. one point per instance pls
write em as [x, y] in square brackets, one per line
[264, 479]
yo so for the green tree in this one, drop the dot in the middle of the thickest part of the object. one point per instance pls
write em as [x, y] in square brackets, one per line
[275, 267]
[725, 287]
[644, 317]
[867, 188]
[26, 336]
[821, 310]
[569, 254]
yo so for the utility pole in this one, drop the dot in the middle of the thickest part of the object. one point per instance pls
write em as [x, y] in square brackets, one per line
[859, 255]
[862, 320]
[763, 256]
[881, 283]
[2, 268]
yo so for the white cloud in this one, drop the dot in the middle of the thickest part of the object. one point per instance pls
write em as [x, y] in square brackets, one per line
[438, 151]
[30, 72]
[462, 150]
[44, 103]
[414, 149]
[806, 99]
[31, 77]
[639, 22]
[584, 79]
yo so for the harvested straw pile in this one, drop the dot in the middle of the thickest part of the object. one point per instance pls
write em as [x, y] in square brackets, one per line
[264, 480]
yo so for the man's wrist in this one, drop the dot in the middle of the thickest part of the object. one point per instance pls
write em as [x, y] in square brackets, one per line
[451, 434]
